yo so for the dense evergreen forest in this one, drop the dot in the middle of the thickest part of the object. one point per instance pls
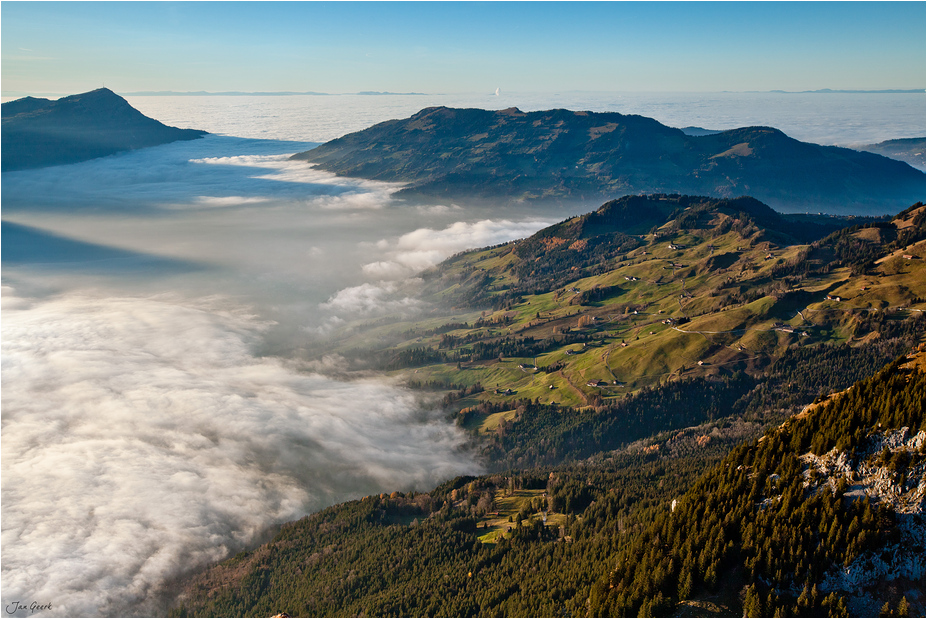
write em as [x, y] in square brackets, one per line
[753, 514]
[420, 554]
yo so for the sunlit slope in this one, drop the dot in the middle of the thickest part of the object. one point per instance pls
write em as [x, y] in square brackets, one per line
[581, 310]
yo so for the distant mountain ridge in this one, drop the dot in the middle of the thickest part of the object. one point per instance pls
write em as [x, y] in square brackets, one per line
[224, 93]
[38, 133]
[889, 91]
[909, 150]
[561, 155]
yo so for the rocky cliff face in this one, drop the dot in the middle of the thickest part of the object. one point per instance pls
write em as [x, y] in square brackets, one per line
[38, 133]
[886, 471]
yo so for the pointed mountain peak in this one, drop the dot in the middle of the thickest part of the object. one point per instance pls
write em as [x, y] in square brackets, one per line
[40, 132]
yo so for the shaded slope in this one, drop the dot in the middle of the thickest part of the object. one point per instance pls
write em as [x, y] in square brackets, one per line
[38, 133]
[560, 154]
[909, 150]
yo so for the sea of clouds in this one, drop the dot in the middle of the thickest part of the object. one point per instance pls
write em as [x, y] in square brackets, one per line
[156, 419]
[143, 437]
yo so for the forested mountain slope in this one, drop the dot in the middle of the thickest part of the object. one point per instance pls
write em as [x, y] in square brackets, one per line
[562, 155]
[817, 514]
[790, 524]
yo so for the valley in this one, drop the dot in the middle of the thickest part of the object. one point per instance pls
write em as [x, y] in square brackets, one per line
[687, 406]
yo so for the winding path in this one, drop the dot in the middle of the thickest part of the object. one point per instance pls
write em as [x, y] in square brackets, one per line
[579, 392]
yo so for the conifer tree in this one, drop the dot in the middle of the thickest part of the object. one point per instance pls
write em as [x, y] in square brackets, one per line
[753, 606]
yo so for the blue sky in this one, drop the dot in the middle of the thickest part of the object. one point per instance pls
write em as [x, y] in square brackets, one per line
[50, 47]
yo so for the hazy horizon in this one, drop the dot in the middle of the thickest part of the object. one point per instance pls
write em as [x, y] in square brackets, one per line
[12, 95]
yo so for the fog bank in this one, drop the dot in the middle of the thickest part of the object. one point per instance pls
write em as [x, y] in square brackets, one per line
[141, 437]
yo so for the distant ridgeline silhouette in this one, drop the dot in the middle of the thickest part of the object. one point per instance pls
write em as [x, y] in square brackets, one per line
[561, 155]
[37, 133]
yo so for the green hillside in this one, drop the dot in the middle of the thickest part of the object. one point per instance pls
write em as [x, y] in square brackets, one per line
[722, 296]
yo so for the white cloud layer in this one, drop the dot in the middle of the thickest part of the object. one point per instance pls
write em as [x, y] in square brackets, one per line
[142, 438]
[368, 298]
[425, 247]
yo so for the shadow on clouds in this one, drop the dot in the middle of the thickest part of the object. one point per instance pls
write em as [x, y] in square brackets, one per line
[177, 175]
[25, 245]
